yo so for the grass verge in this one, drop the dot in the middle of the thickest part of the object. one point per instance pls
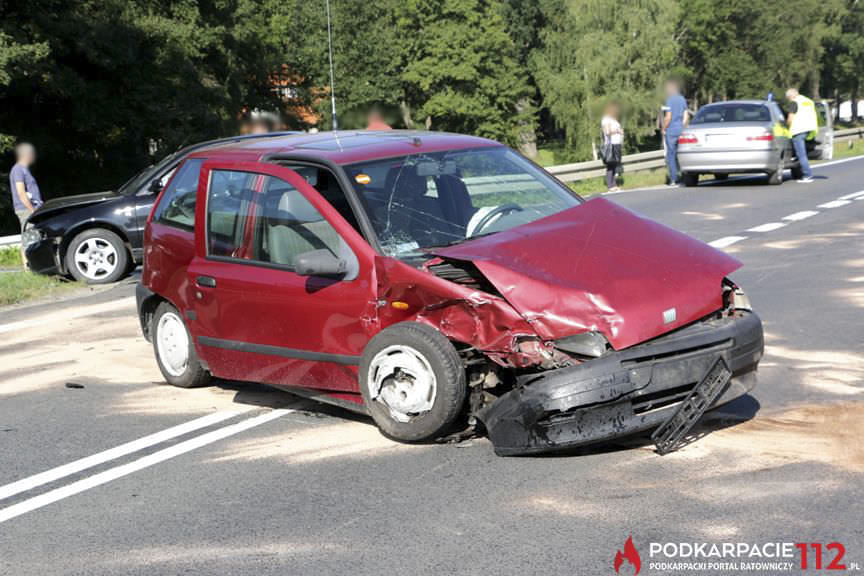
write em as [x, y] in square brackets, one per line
[848, 149]
[10, 257]
[23, 285]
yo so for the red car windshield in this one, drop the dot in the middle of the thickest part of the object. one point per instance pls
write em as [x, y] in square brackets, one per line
[443, 198]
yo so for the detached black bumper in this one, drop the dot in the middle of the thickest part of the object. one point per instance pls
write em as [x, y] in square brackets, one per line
[43, 257]
[629, 391]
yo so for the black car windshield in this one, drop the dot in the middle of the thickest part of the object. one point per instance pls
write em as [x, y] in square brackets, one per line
[442, 198]
[732, 112]
[145, 176]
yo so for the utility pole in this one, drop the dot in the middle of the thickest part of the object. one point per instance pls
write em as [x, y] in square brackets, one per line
[330, 53]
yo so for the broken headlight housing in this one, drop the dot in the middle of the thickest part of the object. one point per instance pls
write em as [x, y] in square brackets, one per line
[31, 235]
[592, 344]
[740, 300]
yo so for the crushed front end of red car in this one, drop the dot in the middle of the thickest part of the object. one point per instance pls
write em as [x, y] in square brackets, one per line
[587, 325]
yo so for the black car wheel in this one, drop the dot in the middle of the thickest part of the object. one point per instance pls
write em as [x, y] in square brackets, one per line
[97, 256]
[413, 382]
[690, 179]
[175, 352]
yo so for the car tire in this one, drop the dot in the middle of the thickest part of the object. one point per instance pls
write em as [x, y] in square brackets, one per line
[97, 256]
[427, 403]
[690, 179]
[174, 349]
[775, 177]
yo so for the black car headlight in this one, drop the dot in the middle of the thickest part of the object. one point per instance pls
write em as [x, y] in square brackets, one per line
[31, 235]
[591, 344]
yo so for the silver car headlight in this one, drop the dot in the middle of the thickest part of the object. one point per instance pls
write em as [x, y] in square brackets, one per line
[31, 235]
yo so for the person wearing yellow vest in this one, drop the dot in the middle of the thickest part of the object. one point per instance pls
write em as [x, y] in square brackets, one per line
[802, 122]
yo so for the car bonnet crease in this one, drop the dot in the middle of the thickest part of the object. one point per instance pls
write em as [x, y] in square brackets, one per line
[600, 267]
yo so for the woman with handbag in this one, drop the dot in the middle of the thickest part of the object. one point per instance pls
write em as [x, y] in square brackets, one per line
[613, 136]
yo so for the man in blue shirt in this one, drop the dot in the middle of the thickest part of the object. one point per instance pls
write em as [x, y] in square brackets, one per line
[25, 191]
[675, 118]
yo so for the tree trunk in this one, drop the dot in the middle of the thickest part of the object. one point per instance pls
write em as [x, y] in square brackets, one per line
[814, 83]
[854, 103]
[527, 134]
[405, 110]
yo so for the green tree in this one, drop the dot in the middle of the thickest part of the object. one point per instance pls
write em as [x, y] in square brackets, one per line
[843, 67]
[593, 51]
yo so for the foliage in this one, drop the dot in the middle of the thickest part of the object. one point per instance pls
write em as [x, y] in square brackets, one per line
[104, 87]
[594, 51]
[10, 257]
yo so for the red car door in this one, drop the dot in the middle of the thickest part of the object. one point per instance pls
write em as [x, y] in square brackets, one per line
[254, 317]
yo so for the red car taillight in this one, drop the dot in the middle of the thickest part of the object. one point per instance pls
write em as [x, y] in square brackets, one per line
[688, 139]
[766, 137]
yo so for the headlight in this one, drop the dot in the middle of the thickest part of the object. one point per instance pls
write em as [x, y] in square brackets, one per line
[586, 344]
[31, 235]
[740, 301]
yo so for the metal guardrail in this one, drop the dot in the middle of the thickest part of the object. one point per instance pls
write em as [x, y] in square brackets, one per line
[848, 134]
[650, 160]
[596, 168]
[564, 172]
[10, 240]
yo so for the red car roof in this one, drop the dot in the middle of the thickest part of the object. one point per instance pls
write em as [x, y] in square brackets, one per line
[346, 147]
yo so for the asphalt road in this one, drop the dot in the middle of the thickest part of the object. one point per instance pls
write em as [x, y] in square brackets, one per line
[268, 484]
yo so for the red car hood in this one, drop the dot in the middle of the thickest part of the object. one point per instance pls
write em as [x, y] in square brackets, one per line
[600, 267]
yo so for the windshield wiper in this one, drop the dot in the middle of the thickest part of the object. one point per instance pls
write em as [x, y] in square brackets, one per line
[461, 240]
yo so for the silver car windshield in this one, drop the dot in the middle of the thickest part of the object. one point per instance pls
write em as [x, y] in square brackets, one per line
[443, 198]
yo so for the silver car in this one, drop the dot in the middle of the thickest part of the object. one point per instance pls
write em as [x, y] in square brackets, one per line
[744, 136]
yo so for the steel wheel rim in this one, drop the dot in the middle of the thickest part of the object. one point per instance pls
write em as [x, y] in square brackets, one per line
[96, 258]
[172, 344]
[402, 379]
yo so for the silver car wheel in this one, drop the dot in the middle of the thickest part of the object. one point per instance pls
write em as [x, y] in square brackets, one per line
[402, 379]
[172, 344]
[96, 258]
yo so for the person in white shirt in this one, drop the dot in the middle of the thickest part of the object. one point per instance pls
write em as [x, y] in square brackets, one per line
[613, 137]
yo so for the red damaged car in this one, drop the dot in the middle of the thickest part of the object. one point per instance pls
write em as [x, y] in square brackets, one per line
[438, 282]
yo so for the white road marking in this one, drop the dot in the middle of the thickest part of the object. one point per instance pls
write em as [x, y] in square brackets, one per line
[852, 196]
[53, 318]
[726, 241]
[767, 227]
[833, 162]
[136, 465]
[803, 215]
[111, 454]
[834, 204]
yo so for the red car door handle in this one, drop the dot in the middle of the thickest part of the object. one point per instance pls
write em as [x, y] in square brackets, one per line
[205, 281]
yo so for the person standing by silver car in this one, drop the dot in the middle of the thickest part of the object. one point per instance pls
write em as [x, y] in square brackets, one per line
[802, 122]
[675, 118]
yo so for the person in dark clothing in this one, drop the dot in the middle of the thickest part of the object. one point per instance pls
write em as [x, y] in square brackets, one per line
[613, 138]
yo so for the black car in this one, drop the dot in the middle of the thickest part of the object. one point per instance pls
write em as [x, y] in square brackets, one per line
[97, 238]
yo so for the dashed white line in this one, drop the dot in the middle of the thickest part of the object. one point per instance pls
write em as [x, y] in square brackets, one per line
[852, 196]
[726, 241]
[136, 465]
[803, 215]
[834, 204]
[112, 454]
[767, 227]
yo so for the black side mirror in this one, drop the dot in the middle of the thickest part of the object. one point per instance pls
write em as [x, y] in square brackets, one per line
[155, 186]
[319, 263]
